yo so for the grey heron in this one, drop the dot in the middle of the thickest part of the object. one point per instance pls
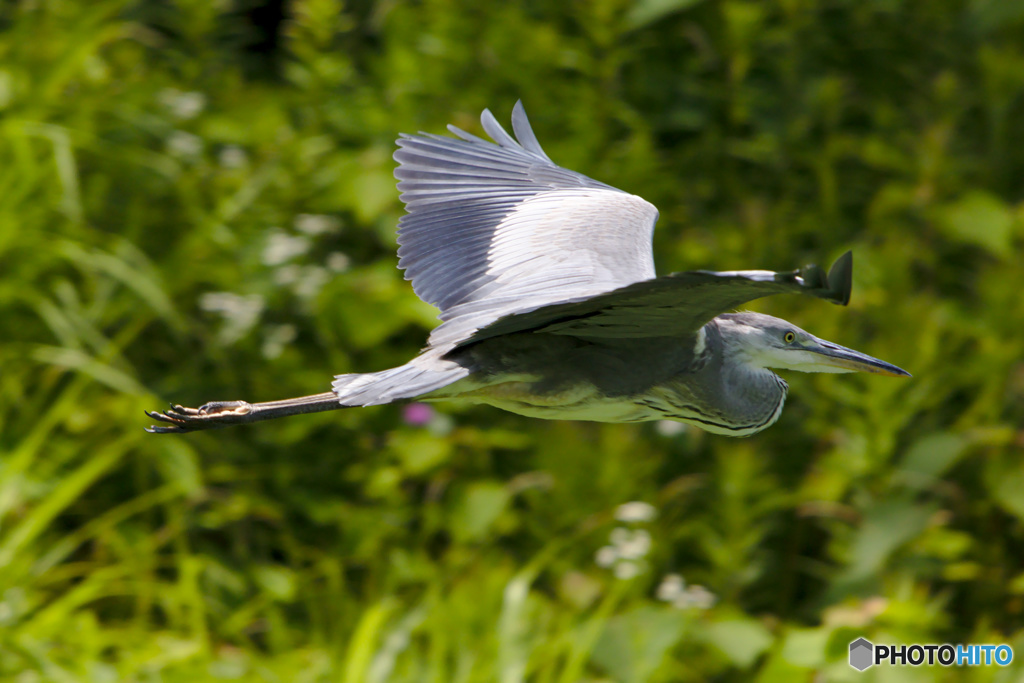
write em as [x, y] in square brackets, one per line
[551, 308]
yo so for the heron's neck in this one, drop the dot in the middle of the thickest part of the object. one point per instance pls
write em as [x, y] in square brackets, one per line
[755, 394]
[750, 395]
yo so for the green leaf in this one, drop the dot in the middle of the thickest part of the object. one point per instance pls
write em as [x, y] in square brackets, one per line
[419, 450]
[70, 487]
[645, 12]
[633, 645]
[929, 458]
[363, 644]
[887, 526]
[805, 647]
[1009, 493]
[741, 640]
[478, 509]
[989, 15]
[979, 218]
[78, 361]
[179, 464]
[279, 582]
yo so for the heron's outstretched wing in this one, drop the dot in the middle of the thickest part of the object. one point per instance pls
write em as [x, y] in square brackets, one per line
[497, 229]
[674, 304]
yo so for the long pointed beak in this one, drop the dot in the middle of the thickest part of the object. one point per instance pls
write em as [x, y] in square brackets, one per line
[849, 360]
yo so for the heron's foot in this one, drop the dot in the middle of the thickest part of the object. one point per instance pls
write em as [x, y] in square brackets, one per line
[213, 415]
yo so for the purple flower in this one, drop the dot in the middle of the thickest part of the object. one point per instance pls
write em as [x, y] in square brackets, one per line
[418, 414]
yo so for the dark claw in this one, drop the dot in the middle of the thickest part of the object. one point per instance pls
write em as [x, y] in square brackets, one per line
[208, 416]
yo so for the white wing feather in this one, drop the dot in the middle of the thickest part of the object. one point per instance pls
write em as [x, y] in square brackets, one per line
[498, 229]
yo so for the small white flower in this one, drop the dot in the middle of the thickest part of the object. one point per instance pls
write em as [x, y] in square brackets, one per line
[625, 550]
[232, 156]
[636, 546]
[312, 281]
[619, 536]
[626, 570]
[182, 105]
[441, 425]
[240, 313]
[606, 556]
[670, 588]
[287, 275]
[670, 427]
[338, 262]
[230, 304]
[316, 224]
[282, 247]
[697, 597]
[635, 511]
[184, 145]
[673, 589]
[277, 339]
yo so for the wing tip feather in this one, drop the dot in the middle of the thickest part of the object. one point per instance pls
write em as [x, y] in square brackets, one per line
[840, 278]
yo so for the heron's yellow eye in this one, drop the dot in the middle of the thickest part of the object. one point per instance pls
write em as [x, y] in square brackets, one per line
[789, 337]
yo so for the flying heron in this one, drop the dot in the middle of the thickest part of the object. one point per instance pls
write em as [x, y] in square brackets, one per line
[551, 308]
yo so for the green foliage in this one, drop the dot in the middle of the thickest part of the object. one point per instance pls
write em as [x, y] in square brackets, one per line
[183, 219]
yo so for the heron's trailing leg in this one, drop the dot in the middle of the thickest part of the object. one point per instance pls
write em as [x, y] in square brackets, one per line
[226, 413]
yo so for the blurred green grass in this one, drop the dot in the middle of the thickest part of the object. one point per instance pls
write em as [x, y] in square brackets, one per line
[182, 218]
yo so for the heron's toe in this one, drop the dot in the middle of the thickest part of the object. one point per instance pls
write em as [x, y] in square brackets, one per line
[218, 409]
[179, 419]
[172, 417]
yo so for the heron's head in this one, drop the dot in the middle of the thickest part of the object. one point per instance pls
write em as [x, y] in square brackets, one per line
[767, 342]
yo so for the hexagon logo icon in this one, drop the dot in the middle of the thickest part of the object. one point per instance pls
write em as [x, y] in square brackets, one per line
[861, 651]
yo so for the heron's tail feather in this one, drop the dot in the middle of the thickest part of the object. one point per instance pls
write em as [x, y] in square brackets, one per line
[417, 377]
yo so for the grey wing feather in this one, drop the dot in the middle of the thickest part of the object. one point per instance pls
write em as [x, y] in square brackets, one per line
[496, 229]
[524, 132]
[675, 304]
[495, 130]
